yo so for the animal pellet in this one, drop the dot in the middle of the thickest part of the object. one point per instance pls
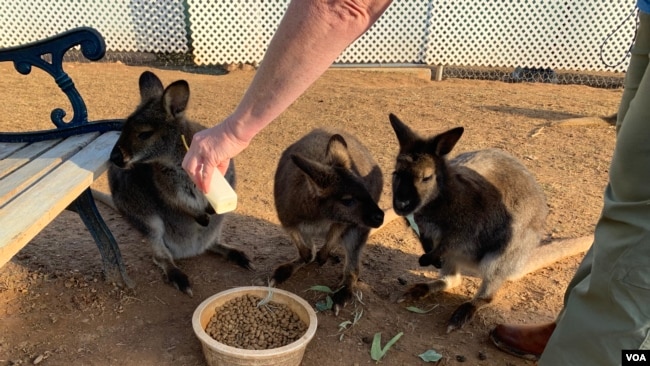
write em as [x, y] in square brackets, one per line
[242, 323]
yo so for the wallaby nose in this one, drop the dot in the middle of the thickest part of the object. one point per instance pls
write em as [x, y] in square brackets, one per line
[377, 219]
[400, 204]
[117, 158]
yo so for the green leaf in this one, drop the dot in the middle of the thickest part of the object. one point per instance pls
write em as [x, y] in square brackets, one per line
[321, 288]
[376, 351]
[431, 356]
[344, 325]
[412, 224]
[420, 311]
[393, 341]
[357, 316]
[325, 304]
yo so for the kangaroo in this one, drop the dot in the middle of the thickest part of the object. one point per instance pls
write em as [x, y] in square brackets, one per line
[327, 184]
[481, 212]
[151, 189]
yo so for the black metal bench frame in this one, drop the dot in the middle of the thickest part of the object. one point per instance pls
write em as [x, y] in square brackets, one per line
[48, 55]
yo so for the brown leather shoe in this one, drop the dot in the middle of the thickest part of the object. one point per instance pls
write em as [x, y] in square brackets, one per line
[525, 341]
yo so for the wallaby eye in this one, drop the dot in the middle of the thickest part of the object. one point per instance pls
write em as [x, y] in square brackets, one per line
[427, 178]
[347, 201]
[145, 135]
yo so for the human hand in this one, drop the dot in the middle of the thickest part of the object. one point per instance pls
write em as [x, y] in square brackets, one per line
[211, 148]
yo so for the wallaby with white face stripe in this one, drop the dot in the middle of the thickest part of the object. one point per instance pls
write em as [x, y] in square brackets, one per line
[327, 185]
[151, 189]
[481, 211]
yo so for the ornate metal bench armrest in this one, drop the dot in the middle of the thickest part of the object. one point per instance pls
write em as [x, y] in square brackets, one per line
[36, 54]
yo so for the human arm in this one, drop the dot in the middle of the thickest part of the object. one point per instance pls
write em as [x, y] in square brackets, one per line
[311, 35]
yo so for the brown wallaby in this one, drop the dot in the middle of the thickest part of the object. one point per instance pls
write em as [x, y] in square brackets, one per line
[151, 189]
[481, 211]
[327, 184]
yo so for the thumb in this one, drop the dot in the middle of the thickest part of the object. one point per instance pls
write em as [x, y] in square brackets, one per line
[204, 177]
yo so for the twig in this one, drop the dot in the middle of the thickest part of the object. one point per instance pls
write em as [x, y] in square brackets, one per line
[132, 298]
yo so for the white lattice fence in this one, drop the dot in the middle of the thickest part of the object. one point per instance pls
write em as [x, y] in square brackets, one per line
[127, 25]
[508, 33]
[226, 31]
[534, 33]
[399, 36]
[560, 34]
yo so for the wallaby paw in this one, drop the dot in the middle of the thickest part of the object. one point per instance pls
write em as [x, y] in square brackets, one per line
[180, 281]
[416, 292]
[429, 259]
[322, 259]
[463, 314]
[203, 220]
[307, 256]
[282, 273]
[340, 298]
[240, 258]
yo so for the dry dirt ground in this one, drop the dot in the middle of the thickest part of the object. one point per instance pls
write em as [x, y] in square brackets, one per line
[56, 309]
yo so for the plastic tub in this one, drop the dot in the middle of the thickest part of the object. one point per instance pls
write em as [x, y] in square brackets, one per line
[219, 354]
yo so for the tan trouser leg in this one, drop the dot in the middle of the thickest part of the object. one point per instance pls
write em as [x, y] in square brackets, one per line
[607, 304]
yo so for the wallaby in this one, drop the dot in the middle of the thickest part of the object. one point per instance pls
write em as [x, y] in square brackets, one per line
[151, 189]
[327, 184]
[481, 211]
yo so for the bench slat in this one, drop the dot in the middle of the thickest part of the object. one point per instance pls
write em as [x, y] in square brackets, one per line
[7, 149]
[24, 156]
[24, 217]
[13, 184]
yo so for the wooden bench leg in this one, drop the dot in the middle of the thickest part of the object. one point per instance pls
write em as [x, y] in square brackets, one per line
[114, 268]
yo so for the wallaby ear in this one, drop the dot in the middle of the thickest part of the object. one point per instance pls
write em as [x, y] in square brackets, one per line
[337, 151]
[150, 86]
[445, 142]
[320, 175]
[404, 134]
[175, 97]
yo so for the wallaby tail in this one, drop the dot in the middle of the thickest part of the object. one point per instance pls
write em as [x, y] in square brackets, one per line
[546, 254]
[104, 198]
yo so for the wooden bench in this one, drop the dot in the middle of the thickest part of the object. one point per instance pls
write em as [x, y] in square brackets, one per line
[44, 172]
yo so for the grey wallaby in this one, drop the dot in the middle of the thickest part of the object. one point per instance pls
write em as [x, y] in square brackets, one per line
[151, 189]
[327, 185]
[482, 212]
